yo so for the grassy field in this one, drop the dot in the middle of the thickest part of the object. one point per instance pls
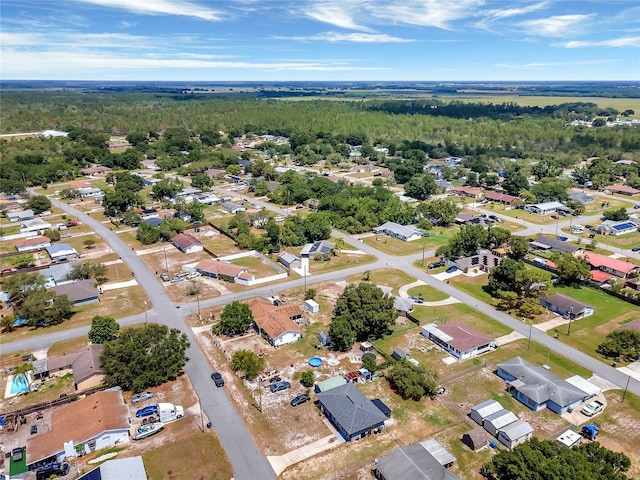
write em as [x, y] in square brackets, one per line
[384, 243]
[343, 260]
[387, 277]
[619, 104]
[463, 313]
[427, 292]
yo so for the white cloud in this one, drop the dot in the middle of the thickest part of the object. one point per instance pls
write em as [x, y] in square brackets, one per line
[556, 26]
[514, 12]
[613, 42]
[427, 13]
[335, 37]
[160, 7]
[539, 65]
[338, 14]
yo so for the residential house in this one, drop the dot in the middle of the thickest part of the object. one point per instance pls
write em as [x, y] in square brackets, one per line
[615, 228]
[207, 198]
[566, 306]
[386, 173]
[413, 462]
[471, 192]
[214, 173]
[154, 222]
[85, 192]
[187, 243]
[581, 198]
[82, 292]
[277, 324]
[581, 383]
[544, 208]
[36, 225]
[500, 198]
[353, 414]
[483, 260]
[85, 364]
[554, 245]
[32, 243]
[128, 468]
[614, 266]
[61, 252]
[515, 434]
[623, 190]
[459, 340]
[497, 421]
[322, 249]
[226, 271]
[188, 194]
[12, 206]
[406, 233]
[20, 216]
[75, 184]
[538, 388]
[96, 170]
[100, 421]
[289, 260]
[483, 410]
[476, 439]
[441, 454]
[149, 213]
[444, 185]
[233, 208]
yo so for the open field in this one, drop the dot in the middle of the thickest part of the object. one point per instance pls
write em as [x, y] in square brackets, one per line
[620, 104]
[438, 237]
[388, 277]
[428, 293]
[342, 260]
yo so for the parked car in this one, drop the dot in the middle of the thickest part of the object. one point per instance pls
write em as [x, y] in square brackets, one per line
[300, 399]
[275, 379]
[636, 249]
[436, 265]
[636, 206]
[177, 279]
[496, 218]
[65, 235]
[591, 408]
[164, 277]
[72, 223]
[563, 238]
[217, 379]
[193, 275]
[417, 299]
[279, 386]
[147, 411]
[141, 397]
[426, 234]
[451, 269]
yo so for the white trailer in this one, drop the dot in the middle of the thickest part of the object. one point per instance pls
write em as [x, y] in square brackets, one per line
[168, 412]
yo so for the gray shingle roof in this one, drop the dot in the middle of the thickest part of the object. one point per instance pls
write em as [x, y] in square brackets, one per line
[413, 462]
[350, 408]
[541, 385]
[557, 244]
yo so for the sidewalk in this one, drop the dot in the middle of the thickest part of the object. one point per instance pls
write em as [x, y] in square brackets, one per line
[280, 463]
[115, 286]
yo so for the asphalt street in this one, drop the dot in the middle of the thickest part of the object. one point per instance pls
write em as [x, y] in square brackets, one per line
[246, 459]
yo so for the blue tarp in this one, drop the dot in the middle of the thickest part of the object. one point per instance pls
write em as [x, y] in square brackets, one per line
[19, 322]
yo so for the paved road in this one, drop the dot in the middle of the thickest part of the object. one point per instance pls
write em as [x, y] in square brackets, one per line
[241, 449]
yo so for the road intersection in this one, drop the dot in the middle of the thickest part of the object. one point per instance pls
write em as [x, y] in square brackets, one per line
[247, 460]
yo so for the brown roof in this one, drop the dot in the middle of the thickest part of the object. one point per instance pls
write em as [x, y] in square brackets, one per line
[78, 184]
[274, 321]
[84, 363]
[469, 190]
[184, 240]
[96, 169]
[220, 268]
[500, 197]
[32, 241]
[245, 276]
[80, 421]
[78, 291]
[464, 338]
[623, 189]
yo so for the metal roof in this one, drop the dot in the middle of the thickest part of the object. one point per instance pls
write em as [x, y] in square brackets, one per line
[441, 454]
[486, 408]
[413, 462]
[516, 430]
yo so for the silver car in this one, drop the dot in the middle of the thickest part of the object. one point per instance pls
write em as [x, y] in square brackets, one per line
[141, 397]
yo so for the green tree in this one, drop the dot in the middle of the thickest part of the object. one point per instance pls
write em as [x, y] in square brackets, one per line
[498, 237]
[616, 214]
[545, 459]
[39, 203]
[22, 261]
[412, 382]
[235, 319]
[550, 189]
[515, 179]
[143, 357]
[342, 334]
[84, 271]
[442, 210]
[103, 329]
[131, 218]
[148, 234]
[19, 286]
[367, 308]
[369, 363]
[51, 234]
[467, 240]
[89, 243]
[420, 186]
[248, 363]
[308, 378]
[503, 276]
[518, 247]
[571, 270]
[166, 188]
[201, 181]
[621, 343]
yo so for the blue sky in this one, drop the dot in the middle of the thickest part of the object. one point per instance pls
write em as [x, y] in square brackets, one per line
[329, 40]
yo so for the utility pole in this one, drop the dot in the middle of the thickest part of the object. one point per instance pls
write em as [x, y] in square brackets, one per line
[166, 265]
[570, 318]
[422, 264]
[198, 298]
[625, 388]
[146, 318]
[305, 281]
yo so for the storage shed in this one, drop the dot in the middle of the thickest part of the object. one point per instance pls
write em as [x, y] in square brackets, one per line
[515, 433]
[476, 439]
[483, 410]
[311, 306]
[569, 439]
[497, 421]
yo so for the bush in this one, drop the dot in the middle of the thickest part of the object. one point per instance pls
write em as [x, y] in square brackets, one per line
[411, 381]
[308, 378]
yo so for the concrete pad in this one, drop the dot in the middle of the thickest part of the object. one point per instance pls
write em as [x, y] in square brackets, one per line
[280, 463]
[511, 337]
[635, 366]
[402, 291]
[553, 323]
[443, 276]
[115, 286]
[602, 383]
[439, 303]
[449, 360]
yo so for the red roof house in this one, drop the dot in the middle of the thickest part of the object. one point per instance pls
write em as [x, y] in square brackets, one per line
[458, 339]
[614, 266]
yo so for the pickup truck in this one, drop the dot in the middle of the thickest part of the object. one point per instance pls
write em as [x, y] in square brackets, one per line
[591, 408]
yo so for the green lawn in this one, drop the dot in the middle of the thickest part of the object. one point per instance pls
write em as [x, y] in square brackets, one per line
[473, 286]
[439, 236]
[427, 292]
[523, 215]
[463, 313]
[387, 277]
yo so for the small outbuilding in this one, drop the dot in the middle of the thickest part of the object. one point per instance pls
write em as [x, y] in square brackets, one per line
[476, 439]
[187, 243]
[483, 410]
[289, 260]
[569, 439]
[497, 421]
[311, 306]
[515, 434]
[61, 252]
[399, 353]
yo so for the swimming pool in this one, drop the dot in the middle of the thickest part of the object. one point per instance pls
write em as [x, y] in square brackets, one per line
[19, 384]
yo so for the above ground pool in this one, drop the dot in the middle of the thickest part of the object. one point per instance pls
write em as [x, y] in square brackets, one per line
[315, 361]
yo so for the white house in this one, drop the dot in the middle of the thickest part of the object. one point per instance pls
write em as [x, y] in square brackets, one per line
[406, 233]
[32, 243]
[458, 339]
[187, 243]
[20, 216]
[61, 252]
[37, 225]
[544, 208]
[232, 208]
